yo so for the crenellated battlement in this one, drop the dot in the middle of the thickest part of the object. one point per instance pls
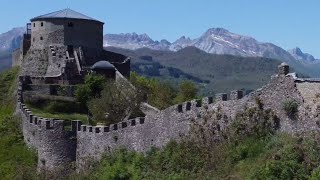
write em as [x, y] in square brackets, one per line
[198, 103]
[123, 125]
[56, 140]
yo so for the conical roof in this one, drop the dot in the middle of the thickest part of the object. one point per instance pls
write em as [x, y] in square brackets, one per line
[65, 13]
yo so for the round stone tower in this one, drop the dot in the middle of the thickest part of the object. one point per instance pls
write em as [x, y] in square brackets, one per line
[66, 27]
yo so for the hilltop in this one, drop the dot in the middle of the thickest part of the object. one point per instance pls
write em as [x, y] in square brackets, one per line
[213, 73]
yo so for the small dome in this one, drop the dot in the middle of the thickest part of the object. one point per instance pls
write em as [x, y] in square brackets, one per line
[103, 65]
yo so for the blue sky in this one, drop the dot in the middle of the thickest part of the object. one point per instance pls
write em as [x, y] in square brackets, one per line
[287, 23]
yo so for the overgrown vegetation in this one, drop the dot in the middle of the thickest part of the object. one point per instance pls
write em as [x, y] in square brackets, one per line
[114, 103]
[251, 149]
[16, 160]
[163, 94]
[291, 108]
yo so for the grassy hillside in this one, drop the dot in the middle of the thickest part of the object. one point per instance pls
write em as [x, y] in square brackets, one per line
[213, 73]
[5, 61]
[16, 160]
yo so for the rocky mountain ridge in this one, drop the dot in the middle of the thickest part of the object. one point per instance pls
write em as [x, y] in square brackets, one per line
[214, 41]
[11, 40]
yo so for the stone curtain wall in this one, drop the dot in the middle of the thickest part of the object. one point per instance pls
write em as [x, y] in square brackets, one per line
[85, 144]
[55, 145]
[154, 130]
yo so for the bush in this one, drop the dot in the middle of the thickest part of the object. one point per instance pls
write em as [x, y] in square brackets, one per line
[117, 100]
[91, 88]
[187, 91]
[291, 108]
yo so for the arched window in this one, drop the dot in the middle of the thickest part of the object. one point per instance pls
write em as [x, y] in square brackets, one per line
[41, 24]
[34, 24]
[41, 38]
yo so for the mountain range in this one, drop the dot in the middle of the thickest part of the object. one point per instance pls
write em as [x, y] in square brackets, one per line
[212, 73]
[214, 41]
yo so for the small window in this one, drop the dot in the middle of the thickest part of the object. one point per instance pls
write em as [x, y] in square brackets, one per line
[41, 24]
[41, 38]
[70, 24]
[34, 24]
[33, 39]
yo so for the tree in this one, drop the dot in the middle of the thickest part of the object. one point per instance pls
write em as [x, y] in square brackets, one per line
[156, 93]
[91, 88]
[187, 91]
[116, 102]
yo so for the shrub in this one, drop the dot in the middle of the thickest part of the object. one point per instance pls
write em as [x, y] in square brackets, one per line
[259, 103]
[187, 91]
[291, 108]
[117, 100]
[91, 88]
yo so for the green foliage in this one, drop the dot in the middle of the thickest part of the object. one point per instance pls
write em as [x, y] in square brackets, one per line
[16, 160]
[315, 174]
[56, 106]
[91, 88]
[156, 93]
[212, 73]
[187, 91]
[291, 108]
[255, 155]
[117, 100]
[162, 94]
[253, 122]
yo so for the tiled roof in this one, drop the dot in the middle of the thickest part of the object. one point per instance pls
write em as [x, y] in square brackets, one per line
[65, 13]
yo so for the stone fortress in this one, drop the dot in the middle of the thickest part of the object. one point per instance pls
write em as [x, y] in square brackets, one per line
[58, 145]
[62, 47]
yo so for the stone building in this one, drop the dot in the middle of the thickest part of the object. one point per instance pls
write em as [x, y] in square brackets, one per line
[61, 47]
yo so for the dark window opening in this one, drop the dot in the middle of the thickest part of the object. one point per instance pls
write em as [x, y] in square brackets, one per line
[70, 24]
[41, 38]
[34, 24]
[188, 106]
[41, 23]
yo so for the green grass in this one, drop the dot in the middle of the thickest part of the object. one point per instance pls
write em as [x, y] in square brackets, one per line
[16, 160]
[62, 116]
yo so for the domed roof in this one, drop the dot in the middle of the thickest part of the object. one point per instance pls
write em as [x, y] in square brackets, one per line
[65, 13]
[102, 65]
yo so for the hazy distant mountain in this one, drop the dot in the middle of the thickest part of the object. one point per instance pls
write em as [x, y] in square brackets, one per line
[214, 41]
[213, 73]
[299, 55]
[134, 41]
[11, 40]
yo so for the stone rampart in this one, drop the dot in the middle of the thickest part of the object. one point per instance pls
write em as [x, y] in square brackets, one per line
[57, 146]
[54, 143]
